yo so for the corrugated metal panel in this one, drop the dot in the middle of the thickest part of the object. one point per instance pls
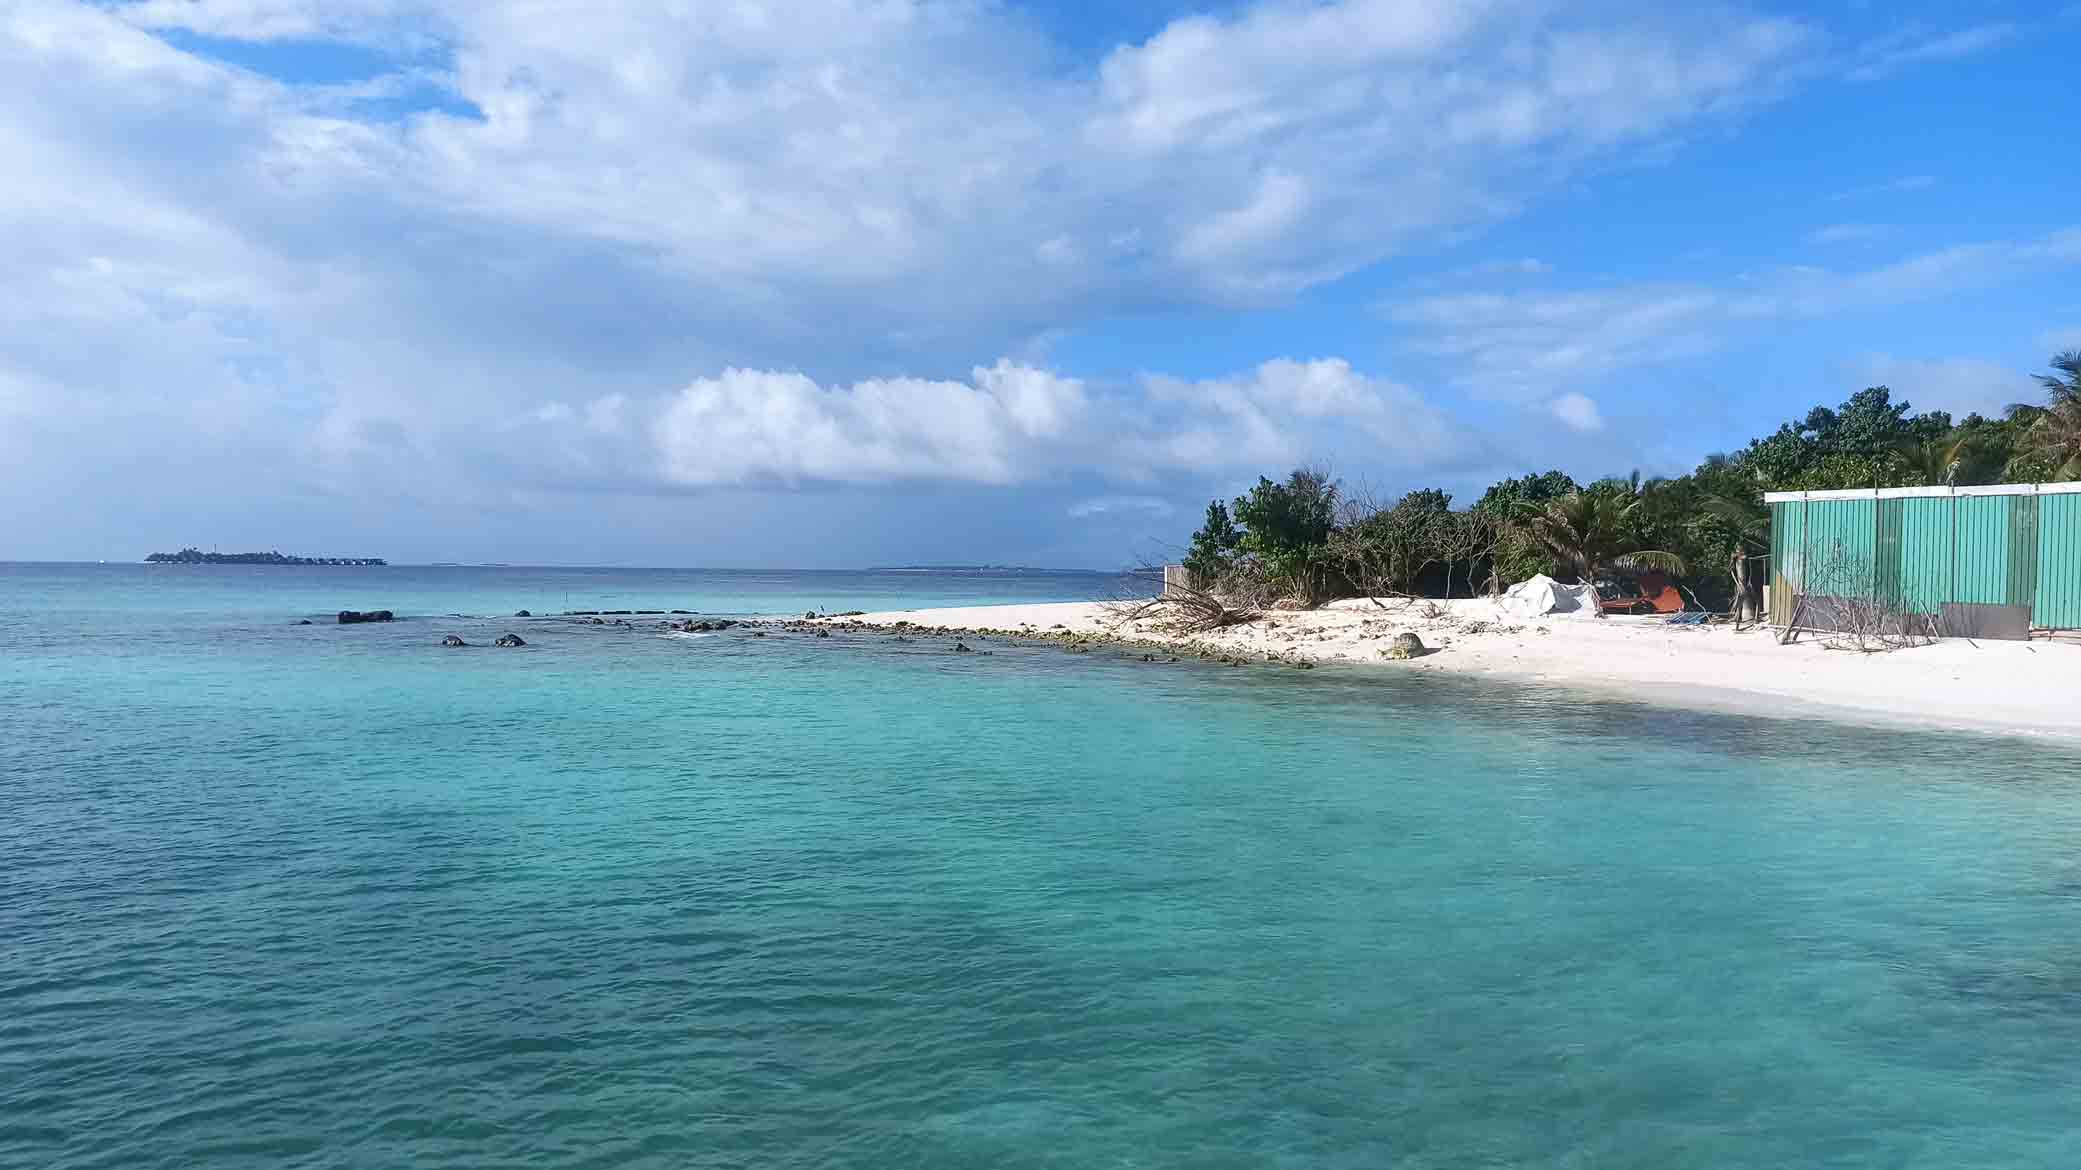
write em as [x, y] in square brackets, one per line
[1924, 554]
[2058, 600]
[2017, 547]
[1983, 549]
[2023, 551]
[1787, 536]
[1841, 547]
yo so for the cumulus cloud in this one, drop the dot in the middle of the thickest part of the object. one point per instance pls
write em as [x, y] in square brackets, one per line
[1577, 411]
[750, 426]
[469, 275]
[1011, 423]
[1286, 412]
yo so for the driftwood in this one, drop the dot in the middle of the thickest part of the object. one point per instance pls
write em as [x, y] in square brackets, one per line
[1194, 607]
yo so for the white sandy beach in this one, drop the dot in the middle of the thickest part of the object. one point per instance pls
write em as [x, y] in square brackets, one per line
[2010, 687]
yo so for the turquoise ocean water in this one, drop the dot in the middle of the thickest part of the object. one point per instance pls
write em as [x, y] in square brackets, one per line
[317, 896]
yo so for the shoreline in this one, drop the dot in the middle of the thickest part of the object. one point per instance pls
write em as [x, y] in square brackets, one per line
[2007, 688]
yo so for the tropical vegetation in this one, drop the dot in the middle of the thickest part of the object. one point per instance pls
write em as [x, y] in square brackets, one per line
[1308, 538]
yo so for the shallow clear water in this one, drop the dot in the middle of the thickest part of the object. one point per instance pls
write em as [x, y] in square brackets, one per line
[278, 895]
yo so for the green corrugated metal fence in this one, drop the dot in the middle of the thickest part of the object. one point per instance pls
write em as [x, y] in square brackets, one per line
[1922, 548]
[2058, 600]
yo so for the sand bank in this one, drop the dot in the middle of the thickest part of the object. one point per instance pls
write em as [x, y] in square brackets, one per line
[2011, 687]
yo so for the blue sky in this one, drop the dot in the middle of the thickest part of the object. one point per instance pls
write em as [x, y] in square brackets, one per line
[858, 281]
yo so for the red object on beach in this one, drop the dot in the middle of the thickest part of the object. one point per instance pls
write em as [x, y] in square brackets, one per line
[1657, 595]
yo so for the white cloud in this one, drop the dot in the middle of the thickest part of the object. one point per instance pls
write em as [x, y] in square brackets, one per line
[1849, 233]
[889, 143]
[1115, 505]
[1287, 412]
[1011, 423]
[749, 426]
[483, 299]
[1578, 411]
[1892, 187]
[1528, 346]
[274, 20]
[1958, 385]
[1912, 47]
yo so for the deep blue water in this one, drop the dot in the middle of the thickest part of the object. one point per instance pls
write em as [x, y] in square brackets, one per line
[277, 895]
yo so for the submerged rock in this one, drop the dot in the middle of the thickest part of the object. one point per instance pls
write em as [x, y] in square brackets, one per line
[963, 648]
[522, 613]
[1405, 646]
[304, 622]
[452, 640]
[351, 617]
[510, 640]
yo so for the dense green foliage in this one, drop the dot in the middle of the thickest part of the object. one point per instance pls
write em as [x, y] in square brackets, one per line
[1699, 525]
[1216, 545]
[1286, 530]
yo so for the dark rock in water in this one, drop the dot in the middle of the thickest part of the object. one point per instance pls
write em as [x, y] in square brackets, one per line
[612, 612]
[452, 640]
[349, 617]
[510, 640]
[963, 648]
[522, 613]
[599, 621]
[304, 622]
[758, 633]
[854, 613]
[823, 633]
[682, 611]
[810, 616]
[648, 611]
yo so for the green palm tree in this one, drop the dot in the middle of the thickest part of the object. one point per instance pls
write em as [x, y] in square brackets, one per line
[1584, 531]
[1959, 457]
[2054, 432]
[1747, 517]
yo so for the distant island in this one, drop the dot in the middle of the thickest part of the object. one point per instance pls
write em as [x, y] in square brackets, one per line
[195, 556]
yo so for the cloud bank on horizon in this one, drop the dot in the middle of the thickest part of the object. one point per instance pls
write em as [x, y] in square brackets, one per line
[468, 278]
